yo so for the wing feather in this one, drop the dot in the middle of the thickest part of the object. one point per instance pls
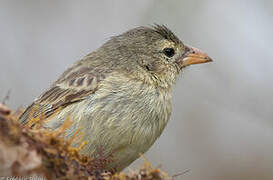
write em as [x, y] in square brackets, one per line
[74, 85]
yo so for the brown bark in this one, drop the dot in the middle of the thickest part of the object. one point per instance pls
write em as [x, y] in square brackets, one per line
[25, 152]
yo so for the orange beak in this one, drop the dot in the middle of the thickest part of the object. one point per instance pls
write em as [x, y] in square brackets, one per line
[194, 56]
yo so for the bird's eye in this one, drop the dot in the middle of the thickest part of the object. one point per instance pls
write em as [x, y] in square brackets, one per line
[169, 52]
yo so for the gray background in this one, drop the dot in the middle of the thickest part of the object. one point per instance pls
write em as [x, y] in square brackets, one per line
[221, 126]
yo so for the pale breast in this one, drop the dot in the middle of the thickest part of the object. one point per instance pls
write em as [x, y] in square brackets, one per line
[123, 120]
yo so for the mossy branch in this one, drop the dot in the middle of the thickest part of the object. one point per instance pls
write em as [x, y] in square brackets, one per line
[46, 154]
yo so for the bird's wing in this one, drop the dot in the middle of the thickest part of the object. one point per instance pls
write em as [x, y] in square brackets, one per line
[74, 85]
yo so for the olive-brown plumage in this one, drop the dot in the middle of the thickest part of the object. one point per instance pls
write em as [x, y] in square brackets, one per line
[120, 94]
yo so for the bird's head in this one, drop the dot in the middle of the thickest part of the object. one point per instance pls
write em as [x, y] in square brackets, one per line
[155, 51]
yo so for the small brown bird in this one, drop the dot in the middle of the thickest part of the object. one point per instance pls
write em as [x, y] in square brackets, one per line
[120, 94]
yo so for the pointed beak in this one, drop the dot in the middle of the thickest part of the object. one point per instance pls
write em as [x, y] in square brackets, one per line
[194, 56]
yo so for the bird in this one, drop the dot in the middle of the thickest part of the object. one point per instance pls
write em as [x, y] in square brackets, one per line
[120, 94]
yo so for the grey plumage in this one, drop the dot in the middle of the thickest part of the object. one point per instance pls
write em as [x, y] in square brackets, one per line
[120, 94]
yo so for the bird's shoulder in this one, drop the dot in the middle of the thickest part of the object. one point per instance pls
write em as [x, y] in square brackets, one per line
[74, 85]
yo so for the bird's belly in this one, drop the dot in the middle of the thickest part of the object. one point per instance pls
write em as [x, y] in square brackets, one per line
[123, 142]
[121, 126]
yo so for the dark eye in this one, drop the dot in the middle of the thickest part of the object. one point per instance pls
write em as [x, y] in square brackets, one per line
[169, 52]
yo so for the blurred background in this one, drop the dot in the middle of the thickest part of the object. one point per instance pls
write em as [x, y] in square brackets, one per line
[222, 121]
